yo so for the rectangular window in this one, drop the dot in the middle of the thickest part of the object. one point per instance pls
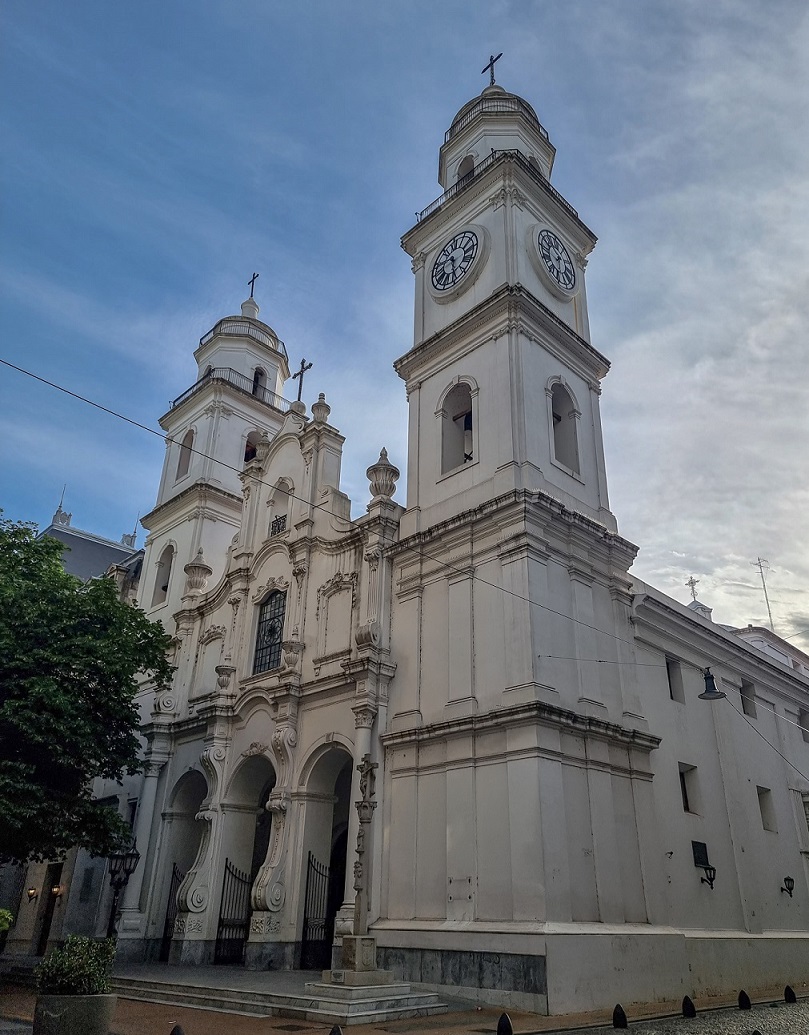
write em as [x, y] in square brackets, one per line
[803, 722]
[689, 790]
[748, 693]
[767, 809]
[270, 632]
[674, 675]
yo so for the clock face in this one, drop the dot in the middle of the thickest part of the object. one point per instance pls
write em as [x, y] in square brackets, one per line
[454, 260]
[557, 260]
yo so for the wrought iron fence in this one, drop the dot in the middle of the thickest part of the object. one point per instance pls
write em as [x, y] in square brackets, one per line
[238, 381]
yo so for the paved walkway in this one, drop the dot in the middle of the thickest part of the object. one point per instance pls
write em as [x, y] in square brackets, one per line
[139, 1018]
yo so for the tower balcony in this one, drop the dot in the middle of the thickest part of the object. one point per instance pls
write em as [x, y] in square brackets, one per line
[245, 385]
[238, 327]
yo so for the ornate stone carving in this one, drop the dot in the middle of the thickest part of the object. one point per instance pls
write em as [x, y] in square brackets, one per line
[256, 748]
[269, 586]
[197, 573]
[418, 261]
[193, 925]
[213, 632]
[293, 649]
[382, 477]
[262, 447]
[334, 585]
[363, 716]
[165, 703]
[223, 675]
[368, 635]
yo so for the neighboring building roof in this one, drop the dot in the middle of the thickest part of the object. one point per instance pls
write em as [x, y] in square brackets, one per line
[86, 555]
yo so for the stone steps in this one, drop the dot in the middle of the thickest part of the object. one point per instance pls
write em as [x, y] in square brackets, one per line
[326, 1004]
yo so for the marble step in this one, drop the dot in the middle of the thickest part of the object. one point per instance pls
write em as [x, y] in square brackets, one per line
[365, 1006]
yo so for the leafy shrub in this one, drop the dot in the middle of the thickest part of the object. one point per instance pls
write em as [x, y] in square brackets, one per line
[79, 967]
[6, 920]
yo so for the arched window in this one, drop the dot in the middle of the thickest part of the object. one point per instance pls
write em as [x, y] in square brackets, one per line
[565, 438]
[466, 169]
[184, 460]
[270, 632]
[457, 433]
[279, 507]
[163, 577]
[259, 382]
[250, 446]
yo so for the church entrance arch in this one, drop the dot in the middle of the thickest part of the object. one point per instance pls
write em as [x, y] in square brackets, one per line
[182, 839]
[328, 803]
[247, 827]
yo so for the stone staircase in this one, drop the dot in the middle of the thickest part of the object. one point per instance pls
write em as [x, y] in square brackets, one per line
[328, 1004]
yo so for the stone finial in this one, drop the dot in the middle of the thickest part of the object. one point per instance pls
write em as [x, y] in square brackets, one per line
[128, 539]
[250, 308]
[321, 409]
[262, 447]
[382, 477]
[197, 575]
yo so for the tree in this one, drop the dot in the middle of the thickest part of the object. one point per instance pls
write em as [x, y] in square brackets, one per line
[70, 657]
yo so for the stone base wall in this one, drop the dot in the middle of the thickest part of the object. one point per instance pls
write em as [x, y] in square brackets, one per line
[499, 978]
[272, 955]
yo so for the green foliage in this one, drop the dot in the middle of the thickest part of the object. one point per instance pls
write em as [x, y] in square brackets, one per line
[70, 657]
[79, 967]
[6, 920]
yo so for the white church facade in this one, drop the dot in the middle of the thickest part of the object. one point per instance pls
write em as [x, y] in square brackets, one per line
[562, 822]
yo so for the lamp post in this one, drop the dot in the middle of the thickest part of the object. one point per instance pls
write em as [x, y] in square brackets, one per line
[122, 866]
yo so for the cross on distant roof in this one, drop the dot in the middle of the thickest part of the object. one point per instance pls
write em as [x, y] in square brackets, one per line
[692, 583]
[304, 367]
[490, 67]
[252, 282]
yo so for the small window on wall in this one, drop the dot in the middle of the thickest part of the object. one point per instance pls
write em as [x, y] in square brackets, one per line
[259, 382]
[250, 446]
[674, 675]
[279, 507]
[748, 693]
[163, 577]
[803, 722]
[565, 435]
[689, 790]
[270, 632]
[184, 460]
[457, 445]
[767, 809]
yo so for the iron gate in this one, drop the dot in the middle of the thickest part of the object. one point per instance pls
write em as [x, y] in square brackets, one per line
[234, 916]
[318, 926]
[177, 876]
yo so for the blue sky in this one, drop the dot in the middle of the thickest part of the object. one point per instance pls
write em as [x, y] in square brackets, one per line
[155, 155]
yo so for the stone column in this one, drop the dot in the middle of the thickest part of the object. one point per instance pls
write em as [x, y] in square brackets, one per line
[364, 716]
[143, 827]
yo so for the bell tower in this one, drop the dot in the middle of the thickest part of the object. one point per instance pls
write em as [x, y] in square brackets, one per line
[503, 383]
[212, 430]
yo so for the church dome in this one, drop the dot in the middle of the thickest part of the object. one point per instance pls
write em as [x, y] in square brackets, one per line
[494, 100]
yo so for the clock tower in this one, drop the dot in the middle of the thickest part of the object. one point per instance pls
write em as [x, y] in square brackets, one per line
[502, 381]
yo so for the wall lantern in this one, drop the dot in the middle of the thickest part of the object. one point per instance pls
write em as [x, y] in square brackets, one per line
[32, 894]
[710, 872]
[789, 885]
[710, 693]
[122, 866]
[56, 890]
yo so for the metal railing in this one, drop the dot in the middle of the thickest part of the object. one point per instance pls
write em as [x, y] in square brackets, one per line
[242, 328]
[238, 381]
[487, 105]
[495, 156]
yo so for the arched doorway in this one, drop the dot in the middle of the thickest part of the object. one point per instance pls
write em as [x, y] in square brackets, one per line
[247, 835]
[184, 833]
[326, 845]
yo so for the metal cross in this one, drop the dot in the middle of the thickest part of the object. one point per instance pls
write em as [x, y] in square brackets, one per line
[304, 367]
[490, 67]
[252, 283]
[692, 583]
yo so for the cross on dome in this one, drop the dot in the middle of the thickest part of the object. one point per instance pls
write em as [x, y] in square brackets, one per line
[490, 67]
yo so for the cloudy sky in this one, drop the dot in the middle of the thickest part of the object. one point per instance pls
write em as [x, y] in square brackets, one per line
[156, 154]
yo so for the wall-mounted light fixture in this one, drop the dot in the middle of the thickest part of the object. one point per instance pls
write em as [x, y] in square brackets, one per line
[789, 885]
[32, 894]
[710, 693]
[56, 890]
[710, 873]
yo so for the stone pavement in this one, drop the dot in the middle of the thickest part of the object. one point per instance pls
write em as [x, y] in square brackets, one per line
[141, 1018]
